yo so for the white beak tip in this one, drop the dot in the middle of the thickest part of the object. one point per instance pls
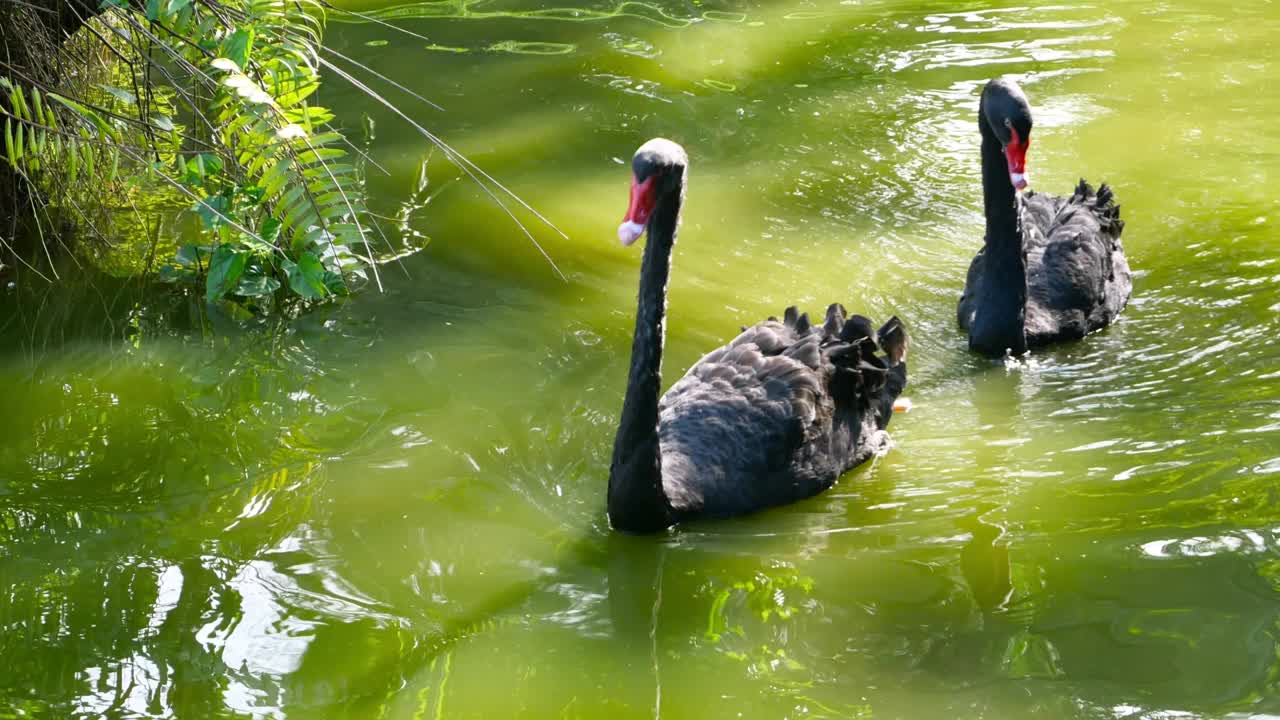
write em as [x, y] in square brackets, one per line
[1019, 180]
[629, 232]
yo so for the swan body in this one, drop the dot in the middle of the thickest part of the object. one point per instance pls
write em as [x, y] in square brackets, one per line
[772, 417]
[1051, 268]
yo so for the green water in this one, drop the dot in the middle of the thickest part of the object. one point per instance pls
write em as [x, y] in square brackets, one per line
[392, 507]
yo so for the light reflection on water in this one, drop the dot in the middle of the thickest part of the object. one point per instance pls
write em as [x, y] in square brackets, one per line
[392, 506]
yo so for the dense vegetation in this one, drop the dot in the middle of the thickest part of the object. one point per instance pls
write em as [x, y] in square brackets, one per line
[189, 105]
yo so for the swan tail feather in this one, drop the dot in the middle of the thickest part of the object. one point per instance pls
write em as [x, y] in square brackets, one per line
[803, 326]
[894, 340]
[868, 368]
[834, 323]
[1102, 204]
[856, 328]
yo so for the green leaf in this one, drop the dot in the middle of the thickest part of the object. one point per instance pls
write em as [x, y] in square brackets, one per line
[334, 283]
[212, 209]
[163, 122]
[270, 230]
[192, 255]
[8, 143]
[276, 177]
[256, 285]
[319, 155]
[237, 46]
[39, 106]
[20, 103]
[225, 270]
[306, 277]
[120, 94]
[103, 126]
[308, 115]
[177, 6]
[224, 64]
[297, 94]
[173, 274]
[202, 166]
[154, 9]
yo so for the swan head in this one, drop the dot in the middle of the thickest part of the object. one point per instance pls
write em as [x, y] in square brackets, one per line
[657, 169]
[1007, 114]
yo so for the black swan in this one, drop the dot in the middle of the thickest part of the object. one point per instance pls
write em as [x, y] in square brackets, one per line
[1051, 268]
[773, 417]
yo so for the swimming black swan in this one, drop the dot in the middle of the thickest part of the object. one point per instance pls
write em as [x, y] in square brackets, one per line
[773, 417]
[1051, 268]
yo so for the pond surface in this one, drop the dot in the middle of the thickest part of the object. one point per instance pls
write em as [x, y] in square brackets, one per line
[392, 507]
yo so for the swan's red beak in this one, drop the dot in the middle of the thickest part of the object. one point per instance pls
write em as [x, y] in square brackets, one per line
[1016, 153]
[643, 198]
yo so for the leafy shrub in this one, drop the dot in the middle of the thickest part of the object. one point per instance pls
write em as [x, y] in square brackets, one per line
[210, 102]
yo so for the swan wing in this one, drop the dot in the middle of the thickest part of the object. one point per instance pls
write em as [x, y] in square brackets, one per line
[738, 416]
[1078, 279]
[751, 424]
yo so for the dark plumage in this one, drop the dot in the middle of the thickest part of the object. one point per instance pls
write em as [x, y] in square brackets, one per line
[1051, 268]
[772, 417]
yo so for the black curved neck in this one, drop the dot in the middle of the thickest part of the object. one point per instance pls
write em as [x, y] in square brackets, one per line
[999, 323]
[637, 502]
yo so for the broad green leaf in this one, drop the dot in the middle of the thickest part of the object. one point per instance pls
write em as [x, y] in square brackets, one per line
[334, 283]
[256, 284]
[154, 9]
[203, 165]
[173, 274]
[163, 122]
[237, 46]
[192, 255]
[225, 269]
[212, 209]
[306, 277]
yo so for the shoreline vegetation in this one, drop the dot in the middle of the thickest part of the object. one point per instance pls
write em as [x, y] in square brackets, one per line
[181, 141]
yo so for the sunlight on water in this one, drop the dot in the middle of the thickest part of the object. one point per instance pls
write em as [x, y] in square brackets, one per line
[393, 506]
